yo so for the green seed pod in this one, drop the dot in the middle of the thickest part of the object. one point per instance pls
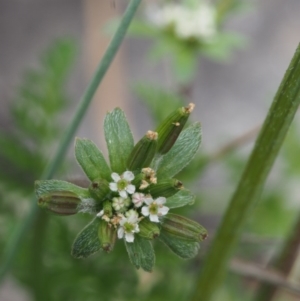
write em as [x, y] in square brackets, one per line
[183, 228]
[143, 152]
[107, 208]
[165, 188]
[148, 229]
[60, 202]
[107, 236]
[99, 189]
[169, 130]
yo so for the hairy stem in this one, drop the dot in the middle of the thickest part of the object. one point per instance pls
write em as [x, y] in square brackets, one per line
[14, 243]
[261, 160]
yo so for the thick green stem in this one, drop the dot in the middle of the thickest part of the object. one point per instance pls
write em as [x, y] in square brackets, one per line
[16, 239]
[266, 148]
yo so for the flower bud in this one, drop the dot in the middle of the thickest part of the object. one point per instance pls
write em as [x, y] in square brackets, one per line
[148, 229]
[107, 236]
[183, 228]
[170, 128]
[165, 188]
[99, 189]
[60, 202]
[143, 152]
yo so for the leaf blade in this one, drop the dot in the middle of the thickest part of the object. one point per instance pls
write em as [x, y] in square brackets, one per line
[182, 198]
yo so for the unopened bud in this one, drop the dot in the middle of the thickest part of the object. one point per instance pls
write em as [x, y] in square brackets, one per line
[107, 236]
[99, 189]
[165, 188]
[60, 202]
[169, 130]
[143, 152]
[183, 228]
[148, 229]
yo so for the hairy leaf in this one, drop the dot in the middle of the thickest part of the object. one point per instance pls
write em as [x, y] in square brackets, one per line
[182, 198]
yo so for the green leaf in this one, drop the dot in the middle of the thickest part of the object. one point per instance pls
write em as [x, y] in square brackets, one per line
[47, 186]
[87, 241]
[141, 253]
[118, 138]
[180, 199]
[91, 159]
[181, 153]
[183, 248]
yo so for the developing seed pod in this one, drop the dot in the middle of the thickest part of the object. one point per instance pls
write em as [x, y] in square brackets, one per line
[107, 236]
[143, 152]
[165, 188]
[183, 228]
[170, 128]
[148, 229]
[60, 202]
[99, 189]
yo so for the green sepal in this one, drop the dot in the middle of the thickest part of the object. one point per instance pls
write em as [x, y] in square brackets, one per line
[107, 235]
[91, 160]
[143, 152]
[183, 228]
[148, 229]
[118, 138]
[141, 253]
[181, 153]
[165, 188]
[99, 189]
[183, 248]
[182, 198]
[87, 241]
[60, 202]
[49, 186]
[169, 130]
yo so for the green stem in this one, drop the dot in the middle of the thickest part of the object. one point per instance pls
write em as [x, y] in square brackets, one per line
[266, 148]
[16, 239]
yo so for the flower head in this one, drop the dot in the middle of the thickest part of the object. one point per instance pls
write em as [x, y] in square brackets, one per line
[122, 183]
[155, 208]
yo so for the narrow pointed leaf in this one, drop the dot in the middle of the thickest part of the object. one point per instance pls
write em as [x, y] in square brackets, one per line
[87, 241]
[141, 253]
[91, 160]
[181, 153]
[118, 138]
[48, 186]
[183, 248]
[182, 198]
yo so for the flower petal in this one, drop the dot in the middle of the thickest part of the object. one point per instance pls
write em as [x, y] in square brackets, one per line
[123, 194]
[161, 200]
[115, 177]
[99, 214]
[163, 210]
[145, 210]
[120, 232]
[128, 176]
[136, 229]
[113, 186]
[154, 218]
[130, 189]
[148, 201]
[129, 237]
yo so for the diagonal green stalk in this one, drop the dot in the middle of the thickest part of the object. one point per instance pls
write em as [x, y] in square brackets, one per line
[266, 148]
[16, 239]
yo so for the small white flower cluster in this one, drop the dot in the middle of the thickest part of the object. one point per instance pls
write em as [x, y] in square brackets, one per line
[187, 22]
[131, 207]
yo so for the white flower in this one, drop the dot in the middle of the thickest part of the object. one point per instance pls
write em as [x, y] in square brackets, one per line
[155, 208]
[118, 203]
[129, 226]
[138, 199]
[122, 183]
[99, 214]
[188, 22]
